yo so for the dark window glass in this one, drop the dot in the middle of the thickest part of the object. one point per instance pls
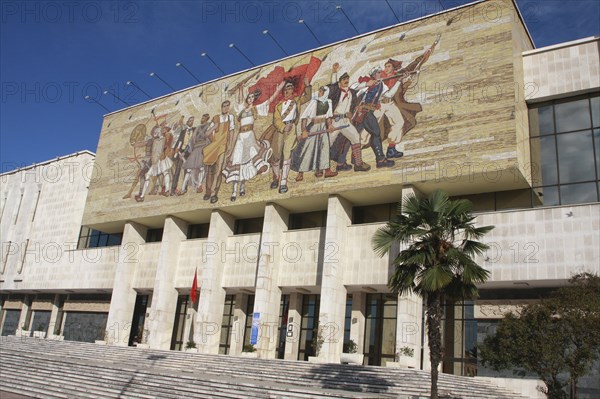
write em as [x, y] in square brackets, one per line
[177, 338]
[568, 153]
[103, 240]
[548, 160]
[347, 323]
[546, 196]
[154, 235]
[307, 220]
[11, 322]
[198, 230]
[249, 315]
[572, 115]
[578, 193]
[595, 105]
[90, 238]
[575, 157]
[308, 328]
[85, 326]
[115, 239]
[546, 120]
[597, 151]
[373, 213]
[284, 308]
[513, 199]
[94, 239]
[247, 226]
[481, 202]
[228, 309]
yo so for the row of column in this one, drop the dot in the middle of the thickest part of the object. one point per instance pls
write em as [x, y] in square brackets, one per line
[161, 314]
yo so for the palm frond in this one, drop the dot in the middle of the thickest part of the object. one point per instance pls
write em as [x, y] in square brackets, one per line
[383, 240]
[474, 247]
[402, 281]
[435, 278]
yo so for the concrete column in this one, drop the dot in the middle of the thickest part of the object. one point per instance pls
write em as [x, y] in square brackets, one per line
[357, 323]
[333, 293]
[207, 327]
[164, 300]
[292, 344]
[408, 327]
[411, 190]
[25, 316]
[122, 301]
[238, 325]
[54, 316]
[268, 294]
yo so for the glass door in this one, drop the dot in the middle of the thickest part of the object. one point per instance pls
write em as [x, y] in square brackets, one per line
[380, 329]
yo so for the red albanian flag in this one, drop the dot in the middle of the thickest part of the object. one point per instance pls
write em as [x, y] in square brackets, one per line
[194, 290]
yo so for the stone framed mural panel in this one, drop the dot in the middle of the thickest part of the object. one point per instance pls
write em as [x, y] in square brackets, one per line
[423, 101]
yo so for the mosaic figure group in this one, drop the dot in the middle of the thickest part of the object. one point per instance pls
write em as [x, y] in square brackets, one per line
[307, 133]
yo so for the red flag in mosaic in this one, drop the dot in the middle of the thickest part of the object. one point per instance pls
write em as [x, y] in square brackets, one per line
[296, 75]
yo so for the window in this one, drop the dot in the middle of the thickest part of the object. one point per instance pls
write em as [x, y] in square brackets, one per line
[373, 213]
[154, 235]
[501, 200]
[91, 238]
[307, 220]
[249, 315]
[198, 231]
[247, 226]
[347, 324]
[565, 151]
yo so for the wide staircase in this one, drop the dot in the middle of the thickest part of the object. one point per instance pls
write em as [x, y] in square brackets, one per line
[43, 368]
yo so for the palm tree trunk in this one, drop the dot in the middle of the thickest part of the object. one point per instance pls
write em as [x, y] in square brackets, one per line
[434, 334]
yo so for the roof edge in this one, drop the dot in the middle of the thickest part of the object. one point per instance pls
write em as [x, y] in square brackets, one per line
[59, 158]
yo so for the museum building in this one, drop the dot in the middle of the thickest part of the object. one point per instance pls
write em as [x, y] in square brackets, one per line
[263, 185]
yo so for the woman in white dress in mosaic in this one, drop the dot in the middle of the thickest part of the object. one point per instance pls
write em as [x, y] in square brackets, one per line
[248, 158]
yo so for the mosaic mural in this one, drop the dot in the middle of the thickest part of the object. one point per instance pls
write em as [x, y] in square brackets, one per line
[389, 108]
[322, 130]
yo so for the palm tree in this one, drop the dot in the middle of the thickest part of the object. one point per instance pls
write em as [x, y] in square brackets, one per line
[440, 240]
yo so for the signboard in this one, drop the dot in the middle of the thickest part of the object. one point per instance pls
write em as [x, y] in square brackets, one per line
[255, 327]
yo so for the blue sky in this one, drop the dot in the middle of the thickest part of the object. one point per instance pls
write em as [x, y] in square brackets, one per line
[53, 53]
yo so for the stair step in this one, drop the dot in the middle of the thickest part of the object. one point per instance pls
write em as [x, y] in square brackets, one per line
[168, 372]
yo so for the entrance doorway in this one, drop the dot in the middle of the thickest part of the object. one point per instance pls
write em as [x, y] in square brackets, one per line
[284, 308]
[380, 329]
[179, 325]
[139, 317]
[308, 330]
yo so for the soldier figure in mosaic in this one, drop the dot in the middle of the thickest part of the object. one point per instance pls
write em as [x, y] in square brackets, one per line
[282, 133]
[366, 94]
[344, 101]
[397, 116]
[312, 150]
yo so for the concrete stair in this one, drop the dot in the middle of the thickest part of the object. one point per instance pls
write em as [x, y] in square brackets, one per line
[61, 369]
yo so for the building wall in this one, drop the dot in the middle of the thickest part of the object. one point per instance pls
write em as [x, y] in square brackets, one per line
[42, 208]
[572, 67]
